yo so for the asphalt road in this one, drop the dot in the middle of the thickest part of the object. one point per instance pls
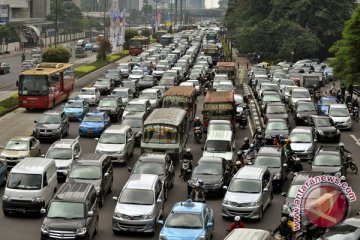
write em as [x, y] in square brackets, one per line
[21, 122]
[7, 81]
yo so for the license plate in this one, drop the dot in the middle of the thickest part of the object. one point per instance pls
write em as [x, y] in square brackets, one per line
[20, 210]
[132, 229]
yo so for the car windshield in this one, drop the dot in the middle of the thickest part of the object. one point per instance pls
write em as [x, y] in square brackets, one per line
[24, 181]
[87, 92]
[300, 137]
[112, 72]
[134, 123]
[148, 167]
[293, 190]
[279, 75]
[135, 108]
[301, 94]
[122, 94]
[184, 220]
[148, 95]
[306, 107]
[17, 145]
[245, 185]
[339, 112]
[59, 153]
[271, 98]
[93, 118]
[217, 146]
[112, 138]
[136, 196]
[73, 105]
[270, 88]
[49, 119]
[208, 169]
[160, 68]
[276, 125]
[276, 109]
[268, 161]
[225, 86]
[322, 122]
[66, 210]
[328, 101]
[148, 78]
[103, 81]
[108, 102]
[327, 160]
[86, 172]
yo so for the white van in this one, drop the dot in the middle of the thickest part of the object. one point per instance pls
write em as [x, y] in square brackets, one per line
[249, 234]
[220, 144]
[31, 185]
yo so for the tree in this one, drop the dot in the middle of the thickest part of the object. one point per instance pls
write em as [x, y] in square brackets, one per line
[346, 62]
[56, 54]
[129, 33]
[9, 33]
[104, 48]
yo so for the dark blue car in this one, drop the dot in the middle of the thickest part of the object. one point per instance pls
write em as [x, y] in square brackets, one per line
[93, 124]
[76, 109]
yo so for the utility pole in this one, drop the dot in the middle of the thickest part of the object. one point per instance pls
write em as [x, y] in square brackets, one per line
[56, 22]
[176, 13]
[129, 15]
[156, 15]
[104, 18]
[181, 12]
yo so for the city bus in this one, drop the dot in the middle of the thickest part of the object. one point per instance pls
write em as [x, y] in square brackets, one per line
[167, 39]
[46, 85]
[219, 106]
[138, 44]
[181, 97]
[166, 130]
[159, 34]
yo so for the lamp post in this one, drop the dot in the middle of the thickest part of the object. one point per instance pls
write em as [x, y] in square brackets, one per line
[156, 14]
[104, 18]
[292, 55]
[56, 22]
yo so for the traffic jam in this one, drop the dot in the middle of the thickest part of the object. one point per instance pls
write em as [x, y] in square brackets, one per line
[175, 121]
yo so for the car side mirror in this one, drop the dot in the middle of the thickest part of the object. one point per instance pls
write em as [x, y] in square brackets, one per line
[283, 194]
[209, 224]
[115, 198]
[43, 211]
[161, 222]
[106, 174]
[90, 214]
[265, 189]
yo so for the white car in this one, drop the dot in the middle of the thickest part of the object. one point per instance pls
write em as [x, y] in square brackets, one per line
[153, 95]
[348, 230]
[340, 115]
[90, 94]
[225, 86]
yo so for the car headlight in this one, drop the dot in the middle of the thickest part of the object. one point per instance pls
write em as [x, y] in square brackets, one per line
[37, 199]
[148, 216]
[226, 202]
[338, 174]
[320, 132]
[97, 190]
[44, 229]
[218, 184]
[277, 176]
[254, 204]
[348, 120]
[116, 214]
[6, 198]
[81, 231]
[298, 115]
[162, 237]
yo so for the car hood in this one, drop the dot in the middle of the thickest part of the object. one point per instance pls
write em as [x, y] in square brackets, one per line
[340, 119]
[107, 108]
[227, 155]
[277, 116]
[241, 197]
[158, 72]
[73, 110]
[92, 124]
[146, 83]
[133, 210]
[295, 100]
[95, 182]
[207, 179]
[64, 224]
[47, 126]
[182, 233]
[110, 147]
[273, 133]
[326, 169]
[327, 129]
[300, 146]
[12, 153]
[62, 163]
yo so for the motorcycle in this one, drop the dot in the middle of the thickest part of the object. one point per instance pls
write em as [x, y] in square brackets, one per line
[205, 91]
[247, 157]
[186, 168]
[350, 108]
[310, 232]
[349, 163]
[356, 114]
[198, 134]
[243, 120]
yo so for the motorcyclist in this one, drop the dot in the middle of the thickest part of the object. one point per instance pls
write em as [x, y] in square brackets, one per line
[284, 229]
[245, 146]
[197, 122]
[257, 133]
[344, 151]
[279, 140]
[236, 224]
[297, 166]
[355, 103]
[251, 153]
[287, 148]
[197, 194]
[189, 156]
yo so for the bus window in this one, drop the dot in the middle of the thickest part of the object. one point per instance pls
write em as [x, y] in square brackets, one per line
[31, 85]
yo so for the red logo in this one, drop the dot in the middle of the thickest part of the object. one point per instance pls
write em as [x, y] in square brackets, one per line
[325, 205]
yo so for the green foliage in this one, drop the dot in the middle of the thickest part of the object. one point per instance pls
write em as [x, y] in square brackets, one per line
[9, 33]
[346, 62]
[57, 54]
[129, 33]
[8, 104]
[104, 48]
[275, 28]
[146, 32]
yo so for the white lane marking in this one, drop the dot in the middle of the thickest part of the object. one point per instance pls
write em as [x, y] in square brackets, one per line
[357, 141]
[251, 126]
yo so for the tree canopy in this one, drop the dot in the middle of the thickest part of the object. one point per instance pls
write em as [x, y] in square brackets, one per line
[346, 62]
[275, 28]
[56, 54]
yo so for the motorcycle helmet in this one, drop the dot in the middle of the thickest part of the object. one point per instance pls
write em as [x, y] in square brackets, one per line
[281, 136]
[201, 182]
[238, 163]
[288, 141]
[258, 130]
[284, 219]
[188, 150]
[246, 140]
[341, 144]
[237, 218]
[252, 146]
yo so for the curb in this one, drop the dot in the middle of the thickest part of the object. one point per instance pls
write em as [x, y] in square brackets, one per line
[253, 108]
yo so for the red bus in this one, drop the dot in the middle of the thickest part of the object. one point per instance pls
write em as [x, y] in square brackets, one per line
[46, 85]
[138, 44]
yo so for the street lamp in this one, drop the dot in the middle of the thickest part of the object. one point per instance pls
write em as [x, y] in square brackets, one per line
[56, 22]
[156, 14]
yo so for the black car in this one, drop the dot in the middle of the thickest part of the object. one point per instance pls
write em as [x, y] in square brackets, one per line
[113, 106]
[159, 164]
[73, 213]
[51, 125]
[136, 121]
[275, 127]
[330, 160]
[147, 82]
[324, 128]
[273, 158]
[302, 110]
[275, 110]
[215, 173]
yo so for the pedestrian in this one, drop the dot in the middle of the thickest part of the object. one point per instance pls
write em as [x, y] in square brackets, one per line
[351, 90]
[22, 57]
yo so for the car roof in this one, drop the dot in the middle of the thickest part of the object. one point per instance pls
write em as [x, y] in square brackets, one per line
[153, 157]
[302, 129]
[32, 165]
[211, 160]
[95, 114]
[73, 191]
[338, 105]
[329, 148]
[141, 181]
[303, 176]
[64, 143]
[250, 172]
[89, 88]
[247, 233]
[134, 115]
[117, 129]
[227, 122]
[118, 89]
[138, 101]
[269, 150]
[194, 207]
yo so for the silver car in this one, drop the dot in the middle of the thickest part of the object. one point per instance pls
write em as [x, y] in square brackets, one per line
[139, 205]
[90, 94]
[249, 193]
[303, 142]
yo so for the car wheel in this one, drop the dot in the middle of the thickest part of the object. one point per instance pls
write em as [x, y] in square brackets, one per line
[116, 232]
[166, 192]
[101, 199]
[67, 131]
[261, 213]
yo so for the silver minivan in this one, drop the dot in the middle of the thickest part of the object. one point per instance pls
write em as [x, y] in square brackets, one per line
[249, 193]
[139, 205]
